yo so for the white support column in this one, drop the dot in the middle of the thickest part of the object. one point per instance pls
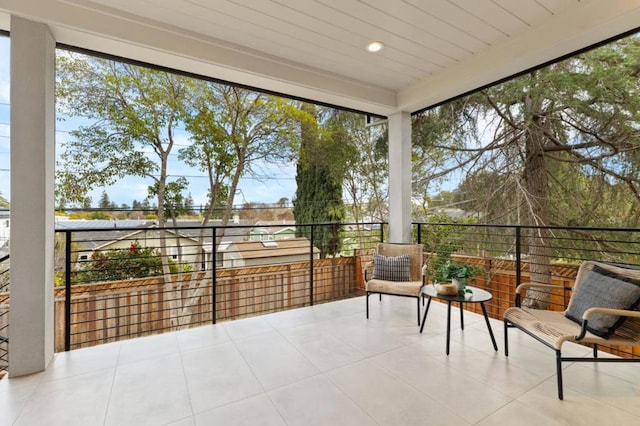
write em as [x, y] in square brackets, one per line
[400, 178]
[32, 196]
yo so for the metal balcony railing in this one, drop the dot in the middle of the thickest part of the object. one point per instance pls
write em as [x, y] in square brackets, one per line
[119, 283]
[127, 282]
[4, 314]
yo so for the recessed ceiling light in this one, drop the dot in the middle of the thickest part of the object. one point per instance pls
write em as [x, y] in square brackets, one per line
[375, 46]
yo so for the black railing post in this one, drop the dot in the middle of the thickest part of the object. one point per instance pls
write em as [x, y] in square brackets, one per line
[67, 291]
[419, 233]
[214, 270]
[381, 232]
[311, 267]
[518, 256]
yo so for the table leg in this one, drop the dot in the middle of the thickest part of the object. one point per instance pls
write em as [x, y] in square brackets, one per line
[424, 318]
[448, 324]
[486, 319]
[461, 316]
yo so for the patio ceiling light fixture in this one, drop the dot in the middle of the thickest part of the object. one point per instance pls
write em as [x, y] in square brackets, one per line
[375, 46]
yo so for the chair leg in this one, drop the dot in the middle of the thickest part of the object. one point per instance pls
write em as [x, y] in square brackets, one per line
[380, 295]
[559, 373]
[506, 339]
[367, 298]
[595, 350]
[418, 300]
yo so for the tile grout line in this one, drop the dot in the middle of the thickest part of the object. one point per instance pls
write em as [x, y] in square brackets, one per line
[113, 381]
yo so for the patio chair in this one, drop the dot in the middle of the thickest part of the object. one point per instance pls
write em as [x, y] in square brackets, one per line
[396, 270]
[603, 310]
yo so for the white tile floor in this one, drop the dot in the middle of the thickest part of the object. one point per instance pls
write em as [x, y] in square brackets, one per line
[323, 365]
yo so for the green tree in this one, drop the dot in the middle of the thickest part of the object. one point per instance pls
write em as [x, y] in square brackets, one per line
[86, 203]
[557, 139]
[132, 111]
[319, 177]
[283, 202]
[104, 202]
[174, 198]
[364, 150]
[234, 131]
[188, 205]
[4, 203]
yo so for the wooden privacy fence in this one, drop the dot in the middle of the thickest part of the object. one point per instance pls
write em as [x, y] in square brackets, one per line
[111, 311]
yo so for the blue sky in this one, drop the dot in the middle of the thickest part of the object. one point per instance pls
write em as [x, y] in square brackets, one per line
[4, 117]
[279, 179]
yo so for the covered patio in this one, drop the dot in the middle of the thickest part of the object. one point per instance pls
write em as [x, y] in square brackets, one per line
[321, 364]
[324, 364]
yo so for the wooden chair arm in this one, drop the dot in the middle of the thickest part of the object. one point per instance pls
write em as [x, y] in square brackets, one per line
[592, 311]
[367, 271]
[620, 312]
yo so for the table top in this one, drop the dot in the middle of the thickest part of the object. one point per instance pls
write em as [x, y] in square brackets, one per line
[479, 295]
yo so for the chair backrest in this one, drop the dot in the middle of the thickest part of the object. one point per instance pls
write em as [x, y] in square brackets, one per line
[631, 327]
[413, 250]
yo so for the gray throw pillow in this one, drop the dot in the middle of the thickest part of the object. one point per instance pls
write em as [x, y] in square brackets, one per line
[395, 268]
[604, 289]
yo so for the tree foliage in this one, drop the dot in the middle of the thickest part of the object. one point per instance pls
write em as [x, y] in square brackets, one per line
[365, 166]
[319, 177]
[4, 203]
[131, 114]
[233, 132]
[548, 147]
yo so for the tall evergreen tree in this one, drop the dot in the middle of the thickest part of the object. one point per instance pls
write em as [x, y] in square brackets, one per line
[105, 201]
[319, 179]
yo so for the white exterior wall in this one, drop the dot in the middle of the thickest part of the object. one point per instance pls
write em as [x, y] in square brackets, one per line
[32, 196]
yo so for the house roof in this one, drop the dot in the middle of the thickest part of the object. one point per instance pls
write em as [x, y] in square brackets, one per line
[262, 249]
[95, 234]
[133, 236]
[232, 232]
[315, 49]
[275, 226]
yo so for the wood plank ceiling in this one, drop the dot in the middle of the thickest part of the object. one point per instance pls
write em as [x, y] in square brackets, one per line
[316, 48]
[420, 37]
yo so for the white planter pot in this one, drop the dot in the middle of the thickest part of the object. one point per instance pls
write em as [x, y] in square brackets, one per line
[456, 283]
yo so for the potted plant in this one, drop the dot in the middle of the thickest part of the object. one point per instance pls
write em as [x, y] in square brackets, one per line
[446, 270]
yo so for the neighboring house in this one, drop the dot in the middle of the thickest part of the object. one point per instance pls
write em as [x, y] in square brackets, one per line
[270, 231]
[5, 226]
[236, 230]
[259, 253]
[90, 236]
[176, 244]
[270, 245]
[104, 235]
